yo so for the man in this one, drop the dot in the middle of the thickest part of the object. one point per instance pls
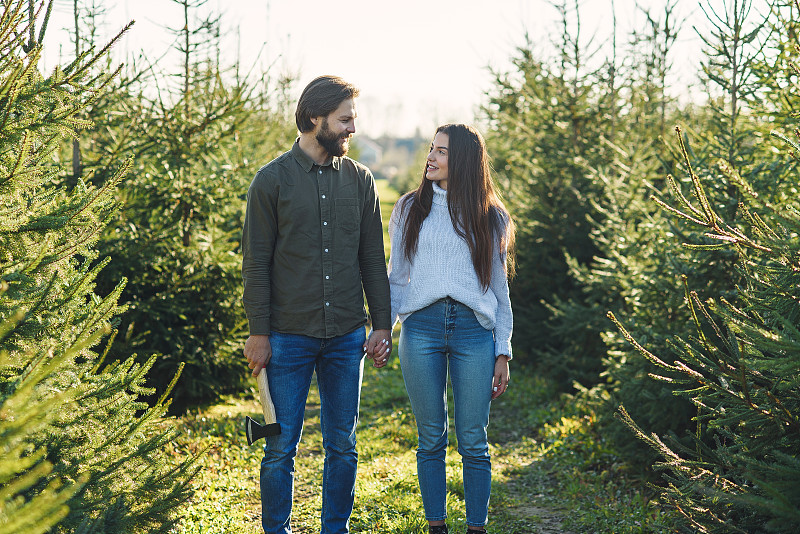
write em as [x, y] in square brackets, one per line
[312, 240]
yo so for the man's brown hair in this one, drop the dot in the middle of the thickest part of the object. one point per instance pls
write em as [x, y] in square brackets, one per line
[321, 97]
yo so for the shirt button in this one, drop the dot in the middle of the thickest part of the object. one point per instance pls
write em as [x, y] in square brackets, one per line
[323, 196]
[320, 171]
[327, 304]
[327, 277]
[324, 223]
[326, 250]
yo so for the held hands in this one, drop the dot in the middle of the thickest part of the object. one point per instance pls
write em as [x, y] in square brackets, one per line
[378, 347]
[501, 376]
[258, 351]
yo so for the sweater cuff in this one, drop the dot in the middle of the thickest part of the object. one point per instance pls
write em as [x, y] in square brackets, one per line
[503, 347]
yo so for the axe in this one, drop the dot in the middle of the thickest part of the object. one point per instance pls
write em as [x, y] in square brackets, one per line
[272, 428]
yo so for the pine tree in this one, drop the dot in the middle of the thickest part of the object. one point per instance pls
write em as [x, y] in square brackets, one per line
[545, 132]
[575, 154]
[647, 263]
[196, 144]
[738, 365]
[80, 451]
[740, 370]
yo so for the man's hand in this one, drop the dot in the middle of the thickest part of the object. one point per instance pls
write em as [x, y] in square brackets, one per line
[501, 376]
[378, 347]
[258, 351]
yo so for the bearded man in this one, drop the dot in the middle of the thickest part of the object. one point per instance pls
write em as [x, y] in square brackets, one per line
[312, 249]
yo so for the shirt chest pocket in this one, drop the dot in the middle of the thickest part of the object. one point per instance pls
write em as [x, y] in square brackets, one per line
[348, 217]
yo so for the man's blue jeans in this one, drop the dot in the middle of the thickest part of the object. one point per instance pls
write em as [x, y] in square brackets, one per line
[339, 363]
[448, 332]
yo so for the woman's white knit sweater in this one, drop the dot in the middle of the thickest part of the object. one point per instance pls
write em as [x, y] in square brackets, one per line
[442, 267]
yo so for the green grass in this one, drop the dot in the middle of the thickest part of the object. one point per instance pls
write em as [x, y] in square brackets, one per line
[552, 471]
[388, 197]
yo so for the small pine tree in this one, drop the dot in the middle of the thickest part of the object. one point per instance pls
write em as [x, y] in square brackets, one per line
[80, 451]
[541, 140]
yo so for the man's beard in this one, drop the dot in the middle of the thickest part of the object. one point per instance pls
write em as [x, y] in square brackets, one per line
[332, 142]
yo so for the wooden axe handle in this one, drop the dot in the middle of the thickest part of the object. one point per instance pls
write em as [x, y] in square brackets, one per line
[266, 400]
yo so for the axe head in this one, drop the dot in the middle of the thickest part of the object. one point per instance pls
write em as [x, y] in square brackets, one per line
[255, 431]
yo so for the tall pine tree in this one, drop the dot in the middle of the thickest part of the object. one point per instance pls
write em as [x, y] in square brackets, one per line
[79, 451]
[196, 143]
[738, 365]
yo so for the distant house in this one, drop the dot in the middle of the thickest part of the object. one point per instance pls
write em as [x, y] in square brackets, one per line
[369, 152]
[389, 157]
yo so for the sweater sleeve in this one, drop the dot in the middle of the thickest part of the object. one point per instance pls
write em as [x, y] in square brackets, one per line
[399, 266]
[504, 321]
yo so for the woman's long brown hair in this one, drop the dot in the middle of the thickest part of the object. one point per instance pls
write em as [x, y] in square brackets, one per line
[477, 213]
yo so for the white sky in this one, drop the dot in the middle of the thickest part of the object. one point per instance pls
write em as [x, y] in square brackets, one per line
[418, 63]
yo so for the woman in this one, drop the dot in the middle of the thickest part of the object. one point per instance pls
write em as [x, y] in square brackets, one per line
[448, 274]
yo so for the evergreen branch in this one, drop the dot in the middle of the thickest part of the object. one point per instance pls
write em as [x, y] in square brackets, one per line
[45, 510]
[677, 211]
[11, 17]
[11, 91]
[786, 140]
[107, 188]
[706, 246]
[109, 342]
[745, 387]
[67, 72]
[698, 188]
[690, 302]
[685, 369]
[81, 286]
[643, 351]
[791, 419]
[717, 330]
[758, 223]
[162, 401]
[11, 321]
[652, 439]
[667, 379]
[88, 65]
[100, 318]
[100, 83]
[722, 237]
[738, 237]
[37, 307]
[11, 483]
[43, 28]
[676, 190]
[24, 152]
[80, 240]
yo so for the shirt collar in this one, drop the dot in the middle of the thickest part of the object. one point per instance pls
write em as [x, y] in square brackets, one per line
[307, 163]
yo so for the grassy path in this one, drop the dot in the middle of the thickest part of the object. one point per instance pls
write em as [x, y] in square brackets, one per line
[551, 473]
[387, 496]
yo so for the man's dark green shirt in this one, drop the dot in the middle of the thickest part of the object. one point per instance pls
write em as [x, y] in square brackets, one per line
[312, 238]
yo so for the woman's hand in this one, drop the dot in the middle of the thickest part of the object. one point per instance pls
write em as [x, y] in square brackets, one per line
[501, 376]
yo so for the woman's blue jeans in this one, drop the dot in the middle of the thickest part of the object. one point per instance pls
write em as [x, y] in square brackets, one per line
[447, 332]
[339, 363]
